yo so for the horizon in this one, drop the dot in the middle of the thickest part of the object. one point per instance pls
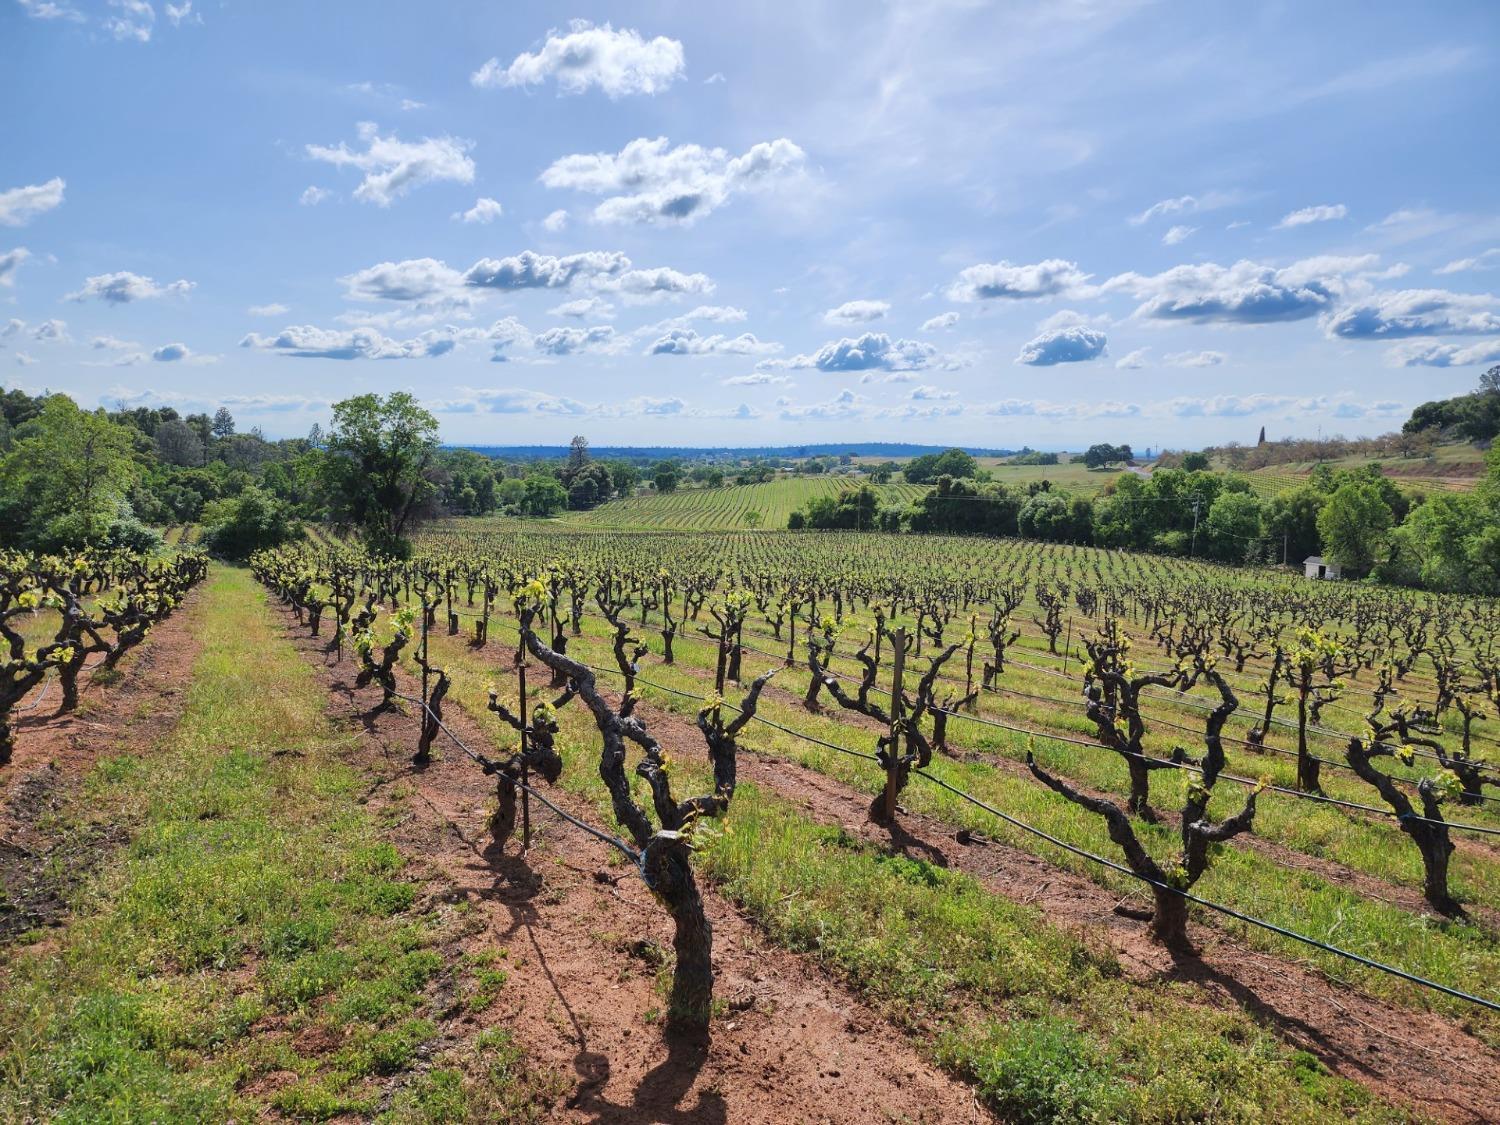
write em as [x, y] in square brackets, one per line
[1043, 226]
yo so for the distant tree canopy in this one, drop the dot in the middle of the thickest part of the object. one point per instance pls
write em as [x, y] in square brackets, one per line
[1470, 417]
[1097, 456]
[949, 463]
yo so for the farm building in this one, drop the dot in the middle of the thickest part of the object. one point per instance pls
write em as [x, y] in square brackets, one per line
[1316, 566]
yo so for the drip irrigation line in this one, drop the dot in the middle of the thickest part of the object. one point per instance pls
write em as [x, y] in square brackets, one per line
[1219, 907]
[488, 764]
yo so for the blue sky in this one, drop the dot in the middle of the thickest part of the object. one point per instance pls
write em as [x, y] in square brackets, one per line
[990, 223]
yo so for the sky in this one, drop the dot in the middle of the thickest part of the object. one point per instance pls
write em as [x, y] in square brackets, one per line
[950, 221]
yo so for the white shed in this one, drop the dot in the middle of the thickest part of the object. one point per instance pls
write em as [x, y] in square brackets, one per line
[1315, 566]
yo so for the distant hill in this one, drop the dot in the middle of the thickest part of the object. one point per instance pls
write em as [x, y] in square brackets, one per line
[893, 449]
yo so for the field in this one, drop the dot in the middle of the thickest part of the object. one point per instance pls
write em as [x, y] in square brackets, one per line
[281, 894]
[1451, 468]
[727, 508]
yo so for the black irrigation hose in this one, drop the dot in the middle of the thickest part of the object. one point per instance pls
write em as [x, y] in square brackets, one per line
[488, 765]
[1229, 911]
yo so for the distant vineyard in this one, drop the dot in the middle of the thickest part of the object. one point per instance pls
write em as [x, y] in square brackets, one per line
[728, 508]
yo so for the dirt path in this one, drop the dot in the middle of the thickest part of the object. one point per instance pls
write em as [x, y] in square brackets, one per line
[39, 866]
[1418, 1059]
[581, 934]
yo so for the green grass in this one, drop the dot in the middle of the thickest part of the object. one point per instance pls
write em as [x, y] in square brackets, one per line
[254, 902]
[949, 961]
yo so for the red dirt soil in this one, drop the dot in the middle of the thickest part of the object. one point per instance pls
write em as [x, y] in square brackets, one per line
[794, 1045]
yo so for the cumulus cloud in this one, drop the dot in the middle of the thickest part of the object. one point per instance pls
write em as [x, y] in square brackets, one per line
[273, 309]
[1415, 312]
[1244, 293]
[940, 322]
[985, 282]
[1041, 408]
[1179, 233]
[136, 20]
[1194, 359]
[51, 331]
[112, 343]
[485, 210]
[171, 353]
[308, 342]
[1322, 213]
[555, 221]
[857, 312]
[25, 359]
[846, 404]
[313, 195]
[686, 341]
[414, 279]
[123, 287]
[393, 167]
[530, 270]
[10, 262]
[584, 308]
[181, 13]
[19, 206]
[927, 393]
[1446, 355]
[1074, 344]
[619, 63]
[655, 284]
[50, 10]
[649, 182]
[568, 341]
[1134, 361]
[874, 351]
[13, 327]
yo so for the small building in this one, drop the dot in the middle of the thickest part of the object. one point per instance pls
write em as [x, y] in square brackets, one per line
[1316, 566]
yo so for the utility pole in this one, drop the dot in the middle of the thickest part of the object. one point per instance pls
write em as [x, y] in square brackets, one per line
[1193, 547]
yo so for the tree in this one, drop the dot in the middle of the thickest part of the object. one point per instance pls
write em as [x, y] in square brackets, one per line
[1292, 518]
[544, 495]
[578, 455]
[1233, 526]
[223, 425]
[252, 521]
[1355, 526]
[376, 472]
[71, 469]
[177, 443]
[666, 479]
[1194, 462]
[1097, 456]
[1489, 382]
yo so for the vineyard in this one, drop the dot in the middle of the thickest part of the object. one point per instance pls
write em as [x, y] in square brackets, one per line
[1098, 836]
[724, 509]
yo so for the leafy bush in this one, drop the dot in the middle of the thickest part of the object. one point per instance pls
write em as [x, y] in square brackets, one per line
[254, 520]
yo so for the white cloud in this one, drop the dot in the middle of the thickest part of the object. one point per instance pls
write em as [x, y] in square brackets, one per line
[10, 262]
[1417, 354]
[113, 344]
[308, 342]
[941, 321]
[135, 21]
[846, 404]
[13, 327]
[927, 393]
[50, 10]
[485, 210]
[648, 182]
[758, 379]
[656, 283]
[556, 221]
[1179, 233]
[1486, 260]
[617, 62]
[181, 13]
[510, 400]
[1244, 293]
[584, 308]
[874, 351]
[19, 206]
[393, 167]
[1134, 361]
[171, 353]
[1415, 312]
[1187, 205]
[1063, 345]
[25, 359]
[273, 309]
[313, 195]
[51, 331]
[857, 312]
[123, 287]
[986, 282]
[415, 279]
[1322, 213]
[530, 270]
[719, 314]
[686, 341]
[567, 340]
[1194, 359]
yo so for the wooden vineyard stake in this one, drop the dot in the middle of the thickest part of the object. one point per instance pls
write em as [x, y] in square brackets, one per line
[893, 752]
[525, 771]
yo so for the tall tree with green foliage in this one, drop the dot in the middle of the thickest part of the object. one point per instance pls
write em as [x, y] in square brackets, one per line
[1355, 525]
[68, 473]
[377, 467]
